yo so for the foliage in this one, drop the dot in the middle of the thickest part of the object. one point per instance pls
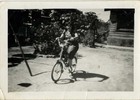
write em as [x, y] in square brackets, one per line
[47, 24]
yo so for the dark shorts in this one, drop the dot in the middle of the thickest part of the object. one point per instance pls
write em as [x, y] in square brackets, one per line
[72, 49]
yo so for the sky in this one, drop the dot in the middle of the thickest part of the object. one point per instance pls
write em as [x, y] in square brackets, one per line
[104, 15]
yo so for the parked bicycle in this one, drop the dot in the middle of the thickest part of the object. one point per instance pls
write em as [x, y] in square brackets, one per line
[61, 64]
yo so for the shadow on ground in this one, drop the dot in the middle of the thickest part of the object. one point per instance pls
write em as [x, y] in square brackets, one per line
[80, 74]
[40, 73]
[65, 81]
[85, 75]
[17, 59]
[25, 84]
[97, 46]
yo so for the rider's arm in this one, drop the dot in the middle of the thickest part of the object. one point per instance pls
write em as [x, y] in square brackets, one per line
[61, 39]
[74, 38]
[62, 35]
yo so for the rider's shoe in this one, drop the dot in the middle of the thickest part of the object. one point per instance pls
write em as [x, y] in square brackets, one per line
[70, 70]
[72, 77]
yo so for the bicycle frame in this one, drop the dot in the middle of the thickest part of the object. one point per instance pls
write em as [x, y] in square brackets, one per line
[61, 62]
[62, 52]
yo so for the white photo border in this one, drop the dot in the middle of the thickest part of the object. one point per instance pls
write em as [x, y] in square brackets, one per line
[4, 6]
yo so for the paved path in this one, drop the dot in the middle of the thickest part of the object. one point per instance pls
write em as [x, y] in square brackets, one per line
[98, 69]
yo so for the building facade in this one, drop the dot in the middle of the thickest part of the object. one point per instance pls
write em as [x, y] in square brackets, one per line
[121, 27]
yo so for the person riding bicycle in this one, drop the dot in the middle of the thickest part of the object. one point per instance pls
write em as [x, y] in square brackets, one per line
[72, 44]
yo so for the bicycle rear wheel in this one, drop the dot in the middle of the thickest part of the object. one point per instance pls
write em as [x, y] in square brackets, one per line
[57, 71]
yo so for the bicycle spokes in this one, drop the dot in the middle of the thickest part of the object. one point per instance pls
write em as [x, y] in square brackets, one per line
[56, 72]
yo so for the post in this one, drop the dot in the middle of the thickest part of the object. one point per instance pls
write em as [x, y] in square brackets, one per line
[21, 50]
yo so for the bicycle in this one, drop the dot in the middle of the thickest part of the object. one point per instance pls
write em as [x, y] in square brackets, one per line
[61, 63]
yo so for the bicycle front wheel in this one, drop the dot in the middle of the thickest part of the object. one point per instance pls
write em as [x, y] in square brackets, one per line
[57, 71]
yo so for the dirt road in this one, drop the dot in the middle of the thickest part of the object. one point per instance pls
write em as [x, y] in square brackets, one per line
[98, 69]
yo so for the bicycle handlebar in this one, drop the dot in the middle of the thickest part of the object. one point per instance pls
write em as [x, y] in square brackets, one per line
[61, 44]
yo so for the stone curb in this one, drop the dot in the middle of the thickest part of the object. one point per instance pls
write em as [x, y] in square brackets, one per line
[115, 47]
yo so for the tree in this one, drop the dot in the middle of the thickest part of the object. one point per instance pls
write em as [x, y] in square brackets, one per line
[47, 24]
[91, 26]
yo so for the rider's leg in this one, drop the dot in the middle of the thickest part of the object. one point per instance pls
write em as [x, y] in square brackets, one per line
[69, 62]
[71, 52]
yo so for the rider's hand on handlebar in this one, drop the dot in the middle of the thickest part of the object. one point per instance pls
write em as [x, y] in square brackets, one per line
[61, 45]
[57, 38]
[71, 39]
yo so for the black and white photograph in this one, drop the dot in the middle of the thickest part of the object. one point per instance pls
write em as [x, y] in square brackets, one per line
[69, 49]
